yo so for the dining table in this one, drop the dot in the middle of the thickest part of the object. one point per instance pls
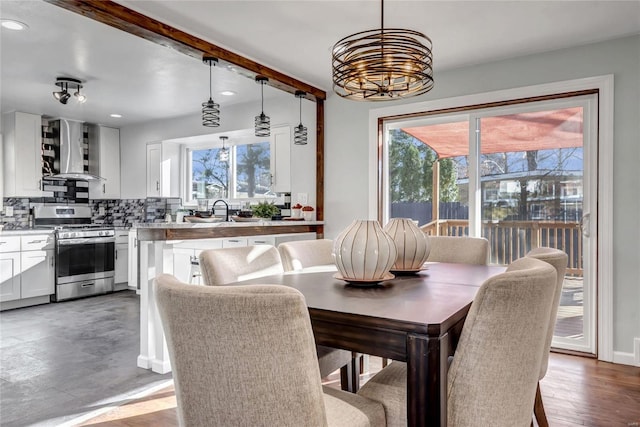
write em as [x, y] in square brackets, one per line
[414, 317]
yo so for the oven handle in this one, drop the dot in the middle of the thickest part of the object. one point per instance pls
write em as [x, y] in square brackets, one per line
[67, 242]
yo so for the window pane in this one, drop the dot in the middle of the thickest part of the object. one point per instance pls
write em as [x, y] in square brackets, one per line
[253, 170]
[210, 176]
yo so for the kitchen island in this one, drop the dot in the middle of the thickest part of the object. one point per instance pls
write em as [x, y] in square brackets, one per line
[159, 245]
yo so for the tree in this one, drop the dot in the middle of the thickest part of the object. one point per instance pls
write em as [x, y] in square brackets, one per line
[253, 160]
[209, 169]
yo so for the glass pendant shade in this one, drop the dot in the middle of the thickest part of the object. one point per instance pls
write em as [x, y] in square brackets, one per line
[223, 154]
[262, 122]
[210, 109]
[382, 64]
[300, 131]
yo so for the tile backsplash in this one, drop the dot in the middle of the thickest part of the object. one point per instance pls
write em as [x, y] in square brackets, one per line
[119, 213]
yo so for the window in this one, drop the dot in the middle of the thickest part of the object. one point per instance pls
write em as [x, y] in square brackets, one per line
[245, 173]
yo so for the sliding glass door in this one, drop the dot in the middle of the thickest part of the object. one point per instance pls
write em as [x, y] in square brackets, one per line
[522, 176]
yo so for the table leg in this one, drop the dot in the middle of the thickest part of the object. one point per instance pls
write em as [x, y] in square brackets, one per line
[427, 380]
[349, 376]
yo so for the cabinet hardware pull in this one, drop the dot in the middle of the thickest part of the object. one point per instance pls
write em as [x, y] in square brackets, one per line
[51, 261]
[104, 188]
[86, 285]
[158, 185]
[116, 254]
[35, 241]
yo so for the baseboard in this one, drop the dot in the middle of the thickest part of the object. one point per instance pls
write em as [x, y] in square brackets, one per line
[625, 358]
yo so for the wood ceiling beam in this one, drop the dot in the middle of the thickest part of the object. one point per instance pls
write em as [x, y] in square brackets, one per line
[130, 21]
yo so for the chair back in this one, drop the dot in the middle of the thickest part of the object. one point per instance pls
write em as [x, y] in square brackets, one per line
[241, 355]
[460, 250]
[301, 254]
[558, 259]
[493, 377]
[227, 265]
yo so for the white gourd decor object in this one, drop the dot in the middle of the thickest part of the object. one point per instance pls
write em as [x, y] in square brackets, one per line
[363, 251]
[411, 243]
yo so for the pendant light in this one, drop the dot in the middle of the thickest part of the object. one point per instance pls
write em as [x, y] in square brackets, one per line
[210, 110]
[382, 64]
[223, 154]
[300, 131]
[263, 122]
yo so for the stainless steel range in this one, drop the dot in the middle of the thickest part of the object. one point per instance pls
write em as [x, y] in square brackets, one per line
[85, 253]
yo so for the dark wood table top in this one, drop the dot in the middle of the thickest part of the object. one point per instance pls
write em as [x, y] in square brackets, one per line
[427, 302]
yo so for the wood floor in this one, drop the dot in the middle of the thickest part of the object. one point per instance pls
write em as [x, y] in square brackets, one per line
[577, 391]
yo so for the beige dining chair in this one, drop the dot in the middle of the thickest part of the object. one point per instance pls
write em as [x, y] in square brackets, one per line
[558, 259]
[227, 265]
[493, 376]
[245, 356]
[300, 254]
[459, 249]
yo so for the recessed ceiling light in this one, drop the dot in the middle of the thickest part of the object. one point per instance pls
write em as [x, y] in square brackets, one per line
[10, 24]
[227, 93]
[115, 116]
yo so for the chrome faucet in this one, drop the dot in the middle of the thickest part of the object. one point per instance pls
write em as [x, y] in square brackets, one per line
[213, 209]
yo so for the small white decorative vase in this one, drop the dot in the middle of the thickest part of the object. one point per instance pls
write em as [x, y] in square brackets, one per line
[363, 251]
[411, 243]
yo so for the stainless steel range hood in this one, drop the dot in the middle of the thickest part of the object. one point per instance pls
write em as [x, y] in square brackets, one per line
[72, 151]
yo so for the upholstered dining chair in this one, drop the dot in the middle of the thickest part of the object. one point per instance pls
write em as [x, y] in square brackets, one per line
[493, 376]
[227, 265]
[300, 254]
[219, 383]
[461, 250]
[558, 259]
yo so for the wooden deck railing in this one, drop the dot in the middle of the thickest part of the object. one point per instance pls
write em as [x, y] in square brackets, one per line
[511, 240]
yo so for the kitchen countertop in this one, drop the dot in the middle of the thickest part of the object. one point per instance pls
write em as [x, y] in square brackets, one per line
[26, 231]
[183, 231]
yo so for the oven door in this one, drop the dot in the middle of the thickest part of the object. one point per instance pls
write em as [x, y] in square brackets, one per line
[84, 259]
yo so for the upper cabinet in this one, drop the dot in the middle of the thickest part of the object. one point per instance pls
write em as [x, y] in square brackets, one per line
[22, 155]
[104, 160]
[163, 168]
[281, 160]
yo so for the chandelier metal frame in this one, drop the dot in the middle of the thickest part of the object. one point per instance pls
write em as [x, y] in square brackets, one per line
[210, 109]
[382, 64]
[300, 133]
[262, 122]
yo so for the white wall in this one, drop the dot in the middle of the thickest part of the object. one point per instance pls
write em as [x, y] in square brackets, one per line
[283, 110]
[346, 149]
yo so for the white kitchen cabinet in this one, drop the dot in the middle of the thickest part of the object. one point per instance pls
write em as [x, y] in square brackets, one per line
[132, 268]
[22, 155]
[27, 273]
[163, 163]
[281, 159]
[104, 160]
[9, 268]
[121, 260]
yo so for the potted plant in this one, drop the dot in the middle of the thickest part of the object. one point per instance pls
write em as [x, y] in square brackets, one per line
[307, 213]
[265, 210]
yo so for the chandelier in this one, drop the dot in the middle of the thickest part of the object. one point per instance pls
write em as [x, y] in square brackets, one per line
[300, 131]
[210, 110]
[382, 64]
[262, 122]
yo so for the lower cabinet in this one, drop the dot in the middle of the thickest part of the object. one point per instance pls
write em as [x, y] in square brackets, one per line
[9, 276]
[38, 273]
[27, 270]
[121, 260]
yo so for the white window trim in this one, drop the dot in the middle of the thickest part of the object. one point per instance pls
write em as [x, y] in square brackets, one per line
[604, 84]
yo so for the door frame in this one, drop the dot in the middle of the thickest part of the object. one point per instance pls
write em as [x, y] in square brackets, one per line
[604, 86]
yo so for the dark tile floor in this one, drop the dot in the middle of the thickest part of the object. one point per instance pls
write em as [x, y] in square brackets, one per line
[62, 360]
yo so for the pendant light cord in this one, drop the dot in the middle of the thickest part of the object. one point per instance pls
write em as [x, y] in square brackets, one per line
[210, 97]
[262, 97]
[300, 109]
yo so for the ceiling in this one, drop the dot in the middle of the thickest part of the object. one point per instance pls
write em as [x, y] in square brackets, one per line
[143, 81]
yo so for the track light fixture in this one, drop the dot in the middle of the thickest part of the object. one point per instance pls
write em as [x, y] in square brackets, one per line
[263, 122]
[65, 84]
[223, 154]
[210, 110]
[300, 131]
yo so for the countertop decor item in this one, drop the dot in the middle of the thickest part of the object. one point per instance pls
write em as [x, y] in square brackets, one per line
[382, 64]
[307, 213]
[364, 252]
[265, 210]
[411, 243]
